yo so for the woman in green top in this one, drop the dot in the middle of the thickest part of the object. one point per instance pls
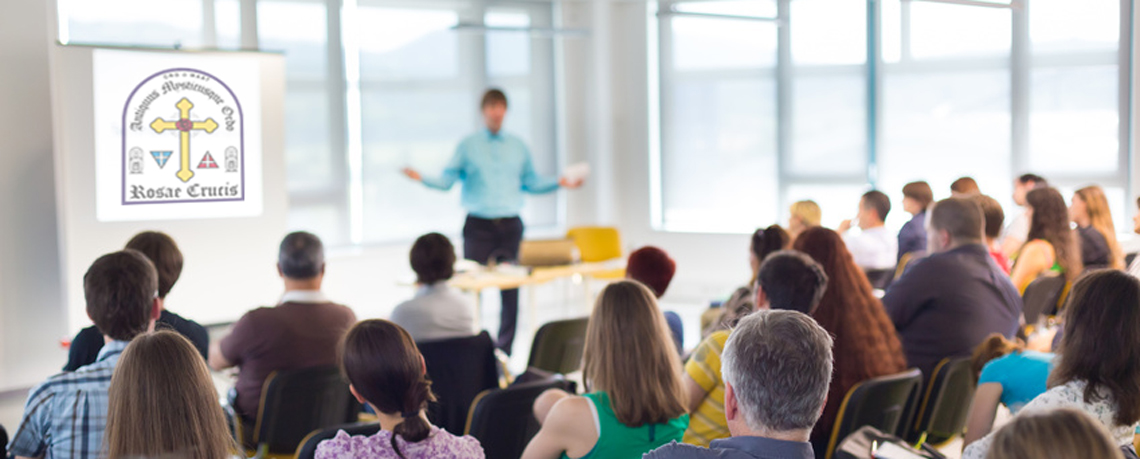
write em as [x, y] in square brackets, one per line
[1052, 246]
[635, 400]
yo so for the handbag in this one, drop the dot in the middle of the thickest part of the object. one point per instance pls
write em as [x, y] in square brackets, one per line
[871, 443]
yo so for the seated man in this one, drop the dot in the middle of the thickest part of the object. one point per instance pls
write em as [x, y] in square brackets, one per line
[786, 280]
[167, 259]
[949, 302]
[437, 311]
[874, 248]
[65, 416]
[302, 331]
[654, 268]
[777, 368]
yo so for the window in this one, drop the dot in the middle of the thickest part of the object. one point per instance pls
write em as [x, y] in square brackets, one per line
[170, 23]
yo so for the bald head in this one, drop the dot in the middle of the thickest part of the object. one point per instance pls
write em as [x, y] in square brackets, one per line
[954, 222]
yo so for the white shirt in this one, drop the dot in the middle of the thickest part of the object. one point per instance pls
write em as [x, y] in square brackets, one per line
[875, 248]
[304, 296]
[436, 312]
[1068, 395]
[1018, 228]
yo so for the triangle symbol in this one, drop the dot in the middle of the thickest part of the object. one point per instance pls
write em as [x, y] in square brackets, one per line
[207, 162]
[161, 157]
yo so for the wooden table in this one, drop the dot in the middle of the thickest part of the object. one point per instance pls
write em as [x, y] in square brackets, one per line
[474, 282]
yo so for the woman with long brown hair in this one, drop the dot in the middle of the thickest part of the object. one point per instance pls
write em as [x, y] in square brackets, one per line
[162, 402]
[866, 344]
[1099, 248]
[635, 401]
[1052, 246]
[1098, 362]
[387, 372]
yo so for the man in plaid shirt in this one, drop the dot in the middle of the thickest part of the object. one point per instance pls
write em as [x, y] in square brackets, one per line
[65, 416]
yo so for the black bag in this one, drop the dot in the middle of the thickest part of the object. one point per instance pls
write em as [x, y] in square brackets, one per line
[871, 443]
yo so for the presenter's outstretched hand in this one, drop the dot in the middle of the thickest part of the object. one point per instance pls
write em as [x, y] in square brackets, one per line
[570, 184]
[412, 174]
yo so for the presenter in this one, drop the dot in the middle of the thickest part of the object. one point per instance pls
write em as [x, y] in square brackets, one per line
[496, 169]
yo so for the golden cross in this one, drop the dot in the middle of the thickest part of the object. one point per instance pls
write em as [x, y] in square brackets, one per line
[184, 125]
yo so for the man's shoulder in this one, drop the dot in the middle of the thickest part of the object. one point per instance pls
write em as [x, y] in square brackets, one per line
[684, 450]
[96, 375]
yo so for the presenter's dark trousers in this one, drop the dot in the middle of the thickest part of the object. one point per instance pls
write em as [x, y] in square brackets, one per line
[486, 239]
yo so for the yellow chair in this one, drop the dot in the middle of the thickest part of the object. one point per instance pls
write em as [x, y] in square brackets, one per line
[598, 244]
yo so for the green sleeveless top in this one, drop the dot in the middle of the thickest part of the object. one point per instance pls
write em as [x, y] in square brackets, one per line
[619, 441]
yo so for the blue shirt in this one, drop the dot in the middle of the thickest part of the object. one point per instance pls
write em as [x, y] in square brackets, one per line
[65, 416]
[495, 169]
[1022, 375]
[736, 448]
[912, 236]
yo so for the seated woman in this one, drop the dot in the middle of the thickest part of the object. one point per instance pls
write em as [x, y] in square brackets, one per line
[1090, 211]
[866, 343]
[387, 372]
[635, 400]
[1052, 246]
[162, 403]
[1059, 434]
[764, 242]
[1007, 373]
[438, 311]
[803, 215]
[1098, 368]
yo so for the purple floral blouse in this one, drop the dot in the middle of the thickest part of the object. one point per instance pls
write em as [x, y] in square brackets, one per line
[438, 445]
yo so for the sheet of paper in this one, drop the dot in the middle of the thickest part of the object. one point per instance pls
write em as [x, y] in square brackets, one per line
[576, 172]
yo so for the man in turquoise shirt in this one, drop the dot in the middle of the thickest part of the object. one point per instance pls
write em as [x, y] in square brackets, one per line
[496, 169]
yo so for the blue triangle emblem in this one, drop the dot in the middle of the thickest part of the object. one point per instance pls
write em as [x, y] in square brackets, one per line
[161, 157]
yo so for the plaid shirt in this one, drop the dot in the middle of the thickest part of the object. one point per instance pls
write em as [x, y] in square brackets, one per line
[65, 416]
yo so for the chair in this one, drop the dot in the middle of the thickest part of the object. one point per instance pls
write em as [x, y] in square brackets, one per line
[880, 278]
[905, 261]
[308, 447]
[503, 419]
[3, 436]
[1041, 297]
[946, 402]
[459, 369]
[558, 346]
[296, 402]
[883, 403]
[596, 243]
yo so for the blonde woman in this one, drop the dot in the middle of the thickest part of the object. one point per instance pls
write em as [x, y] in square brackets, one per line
[804, 215]
[1099, 248]
[1064, 433]
[634, 401]
[163, 403]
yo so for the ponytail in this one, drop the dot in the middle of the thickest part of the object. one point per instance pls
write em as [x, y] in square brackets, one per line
[415, 428]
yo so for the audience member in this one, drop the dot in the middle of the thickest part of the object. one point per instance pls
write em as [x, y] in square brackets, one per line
[302, 331]
[163, 403]
[866, 344]
[1017, 233]
[787, 280]
[1053, 247]
[917, 197]
[1007, 374]
[874, 248]
[635, 401]
[764, 242]
[437, 311]
[654, 268]
[949, 302]
[803, 215]
[163, 252]
[964, 187]
[386, 371]
[1058, 434]
[1089, 210]
[994, 218]
[1098, 364]
[66, 415]
[777, 366]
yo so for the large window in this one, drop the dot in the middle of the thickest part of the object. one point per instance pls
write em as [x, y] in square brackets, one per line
[847, 95]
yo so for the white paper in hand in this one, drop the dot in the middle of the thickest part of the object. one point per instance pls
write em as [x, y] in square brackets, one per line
[576, 172]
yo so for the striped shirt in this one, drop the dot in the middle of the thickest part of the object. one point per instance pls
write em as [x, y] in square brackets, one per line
[65, 416]
[708, 422]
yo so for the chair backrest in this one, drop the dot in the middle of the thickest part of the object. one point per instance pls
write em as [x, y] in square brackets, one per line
[596, 243]
[905, 261]
[296, 402]
[558, 346]
[946, 402]
[459, 369]
[308, 447]
[3, 436]
[880, 278]
[1041, 297]
[882, 403]
[503, 419]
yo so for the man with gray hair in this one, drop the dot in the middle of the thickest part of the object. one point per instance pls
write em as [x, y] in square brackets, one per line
[777, 368]
[302, 331]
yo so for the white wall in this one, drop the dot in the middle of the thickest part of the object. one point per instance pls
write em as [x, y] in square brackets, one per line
[31, 307]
